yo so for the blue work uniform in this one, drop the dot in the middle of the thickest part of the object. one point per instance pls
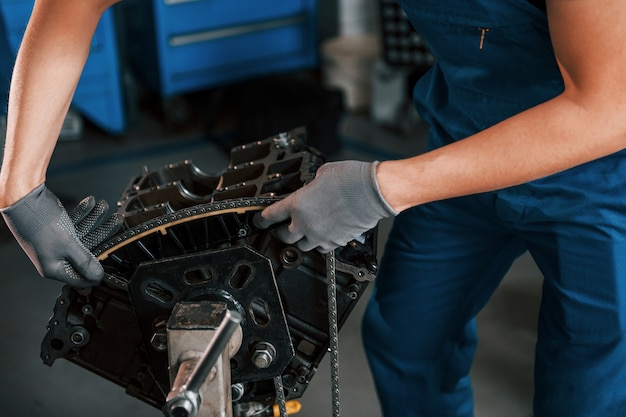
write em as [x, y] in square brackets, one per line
[443, 260]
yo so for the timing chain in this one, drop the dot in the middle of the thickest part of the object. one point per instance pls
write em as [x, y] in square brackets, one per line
[333, 334]
[333, 331]
[280, 395]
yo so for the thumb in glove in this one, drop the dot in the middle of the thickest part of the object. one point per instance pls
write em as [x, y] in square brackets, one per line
[57, 243]
[341, 203]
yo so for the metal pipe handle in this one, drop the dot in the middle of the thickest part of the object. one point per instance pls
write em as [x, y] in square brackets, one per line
[186, 402]
[227, 327]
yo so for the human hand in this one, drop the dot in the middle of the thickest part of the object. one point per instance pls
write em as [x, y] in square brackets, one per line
[58, 243]
[341, 203]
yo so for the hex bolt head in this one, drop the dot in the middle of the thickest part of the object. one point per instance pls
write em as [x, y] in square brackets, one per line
[159, 341]
[263, 355]
[237, 391]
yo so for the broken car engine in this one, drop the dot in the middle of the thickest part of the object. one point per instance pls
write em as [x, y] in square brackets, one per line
[187, 260]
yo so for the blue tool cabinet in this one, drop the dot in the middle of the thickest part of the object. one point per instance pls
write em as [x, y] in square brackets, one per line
[6, 60]
[178, 46]
[99, 96]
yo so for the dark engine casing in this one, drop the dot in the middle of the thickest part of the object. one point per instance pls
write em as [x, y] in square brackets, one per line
[189, 236]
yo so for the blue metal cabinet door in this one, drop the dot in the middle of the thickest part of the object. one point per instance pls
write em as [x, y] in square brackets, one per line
[179, 46]
[99, 95]
[6, 63]
[237, 40]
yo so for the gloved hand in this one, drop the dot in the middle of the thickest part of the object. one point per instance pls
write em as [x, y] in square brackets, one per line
[341, 203]
[58, 243]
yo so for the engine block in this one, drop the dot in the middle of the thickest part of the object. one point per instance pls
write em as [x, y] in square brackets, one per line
[189, 236]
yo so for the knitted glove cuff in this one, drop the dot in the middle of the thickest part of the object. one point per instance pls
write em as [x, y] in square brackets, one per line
[27, 216]
[389, 211]
[360, 192]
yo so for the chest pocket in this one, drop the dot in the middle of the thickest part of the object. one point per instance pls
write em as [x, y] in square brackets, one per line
[490, 54]
[495, 57]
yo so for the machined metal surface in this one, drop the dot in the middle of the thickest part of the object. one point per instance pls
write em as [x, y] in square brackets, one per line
[202, 338]
[188, 236]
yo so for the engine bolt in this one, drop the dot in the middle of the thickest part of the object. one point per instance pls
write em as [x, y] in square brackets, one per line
[263, 355]
[237, 391]
[159, 342]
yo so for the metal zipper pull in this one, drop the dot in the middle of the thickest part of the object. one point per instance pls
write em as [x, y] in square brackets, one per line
[483, 31]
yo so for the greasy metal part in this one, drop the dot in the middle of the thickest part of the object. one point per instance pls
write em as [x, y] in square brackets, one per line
[264, 354]
[333, 331]
[237, 391]
[237, 276]
[202, 338]
[188, 236]
[201, 227]
[182, 402]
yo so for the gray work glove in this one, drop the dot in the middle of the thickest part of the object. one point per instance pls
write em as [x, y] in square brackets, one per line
[341, 203]
[58, 243]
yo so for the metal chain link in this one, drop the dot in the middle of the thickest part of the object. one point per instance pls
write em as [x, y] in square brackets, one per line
[333, 332]
[333, 335]
[280, 395]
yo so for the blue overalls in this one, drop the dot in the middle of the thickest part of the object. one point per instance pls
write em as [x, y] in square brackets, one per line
[443, 260]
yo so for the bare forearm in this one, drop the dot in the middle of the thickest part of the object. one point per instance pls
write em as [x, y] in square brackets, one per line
[584, 123]
[48, 67]
[549, 138]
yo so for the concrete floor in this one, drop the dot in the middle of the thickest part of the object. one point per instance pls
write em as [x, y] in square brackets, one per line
[101, 165]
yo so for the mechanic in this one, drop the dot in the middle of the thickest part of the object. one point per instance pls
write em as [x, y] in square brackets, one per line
[526, 140]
